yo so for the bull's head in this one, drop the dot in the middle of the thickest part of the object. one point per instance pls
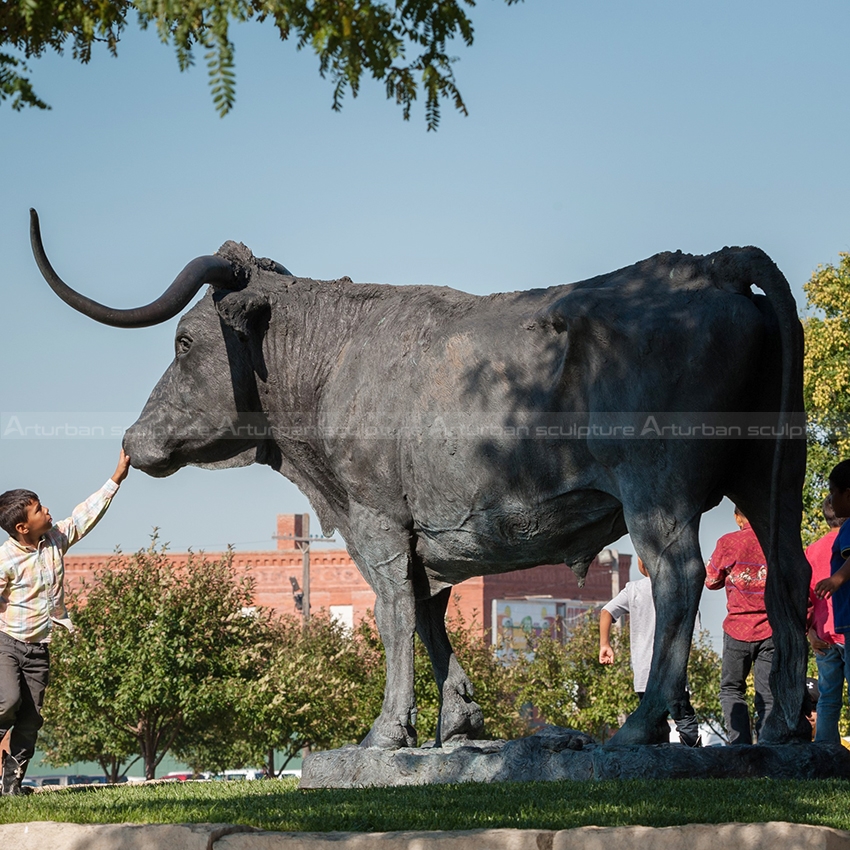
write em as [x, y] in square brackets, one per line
[205, 410]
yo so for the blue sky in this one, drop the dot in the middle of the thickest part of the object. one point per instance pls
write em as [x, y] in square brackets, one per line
[598, 135]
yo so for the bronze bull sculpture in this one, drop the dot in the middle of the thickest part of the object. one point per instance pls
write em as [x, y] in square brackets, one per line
[448, 435]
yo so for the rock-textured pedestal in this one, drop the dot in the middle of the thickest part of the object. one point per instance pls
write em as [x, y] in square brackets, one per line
[557, 753]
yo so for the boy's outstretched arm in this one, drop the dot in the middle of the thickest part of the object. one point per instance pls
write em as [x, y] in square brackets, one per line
[86, 515]
[606, 652]
[123, 467]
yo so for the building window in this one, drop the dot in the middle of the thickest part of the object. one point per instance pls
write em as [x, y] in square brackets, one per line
[344, 615]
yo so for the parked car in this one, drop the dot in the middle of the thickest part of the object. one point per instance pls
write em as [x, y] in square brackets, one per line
[250, 773]
[244, 773]
[61, 780]
[181, 775]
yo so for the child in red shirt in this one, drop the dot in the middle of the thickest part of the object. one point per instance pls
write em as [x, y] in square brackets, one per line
[738, 564]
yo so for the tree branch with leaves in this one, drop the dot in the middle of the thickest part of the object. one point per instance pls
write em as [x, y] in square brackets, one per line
[403, 43]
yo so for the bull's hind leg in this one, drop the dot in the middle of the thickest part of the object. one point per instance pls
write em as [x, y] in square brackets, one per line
[669, 546]
[460, 716]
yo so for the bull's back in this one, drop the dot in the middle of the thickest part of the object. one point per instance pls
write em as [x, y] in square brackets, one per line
[478, 411]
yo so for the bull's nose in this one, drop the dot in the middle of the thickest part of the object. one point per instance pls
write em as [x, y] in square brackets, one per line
[146, 453]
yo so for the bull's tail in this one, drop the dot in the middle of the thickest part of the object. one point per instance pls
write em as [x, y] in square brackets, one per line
[787, 613]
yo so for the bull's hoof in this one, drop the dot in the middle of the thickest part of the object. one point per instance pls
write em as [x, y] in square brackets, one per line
[461, 721]
[389, 736]
[776, 731]
[639, 732]
[628, 738]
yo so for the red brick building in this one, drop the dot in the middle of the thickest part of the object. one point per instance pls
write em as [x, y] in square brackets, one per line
[336, 585]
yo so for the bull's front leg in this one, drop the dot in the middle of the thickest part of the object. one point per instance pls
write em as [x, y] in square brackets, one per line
[383, 556]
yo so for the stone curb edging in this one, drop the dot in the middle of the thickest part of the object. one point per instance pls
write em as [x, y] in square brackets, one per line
[775, 835]
[50, 835]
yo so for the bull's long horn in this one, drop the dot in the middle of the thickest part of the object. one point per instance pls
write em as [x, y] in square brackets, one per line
[209, 269]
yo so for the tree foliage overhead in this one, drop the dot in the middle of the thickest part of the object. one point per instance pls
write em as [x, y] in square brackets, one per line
[826, 384]
[400, 42]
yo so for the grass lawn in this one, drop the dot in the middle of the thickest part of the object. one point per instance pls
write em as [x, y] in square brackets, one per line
[279, 805]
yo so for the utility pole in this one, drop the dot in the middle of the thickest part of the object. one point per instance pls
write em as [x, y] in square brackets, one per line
[615, 573]
[302, 541]
[305, 566]
[611, 558]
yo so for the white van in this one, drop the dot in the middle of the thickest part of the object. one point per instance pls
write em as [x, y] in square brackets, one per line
[244, 773]
[250, 773]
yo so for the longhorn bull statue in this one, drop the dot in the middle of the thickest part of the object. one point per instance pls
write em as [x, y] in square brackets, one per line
[448, 435]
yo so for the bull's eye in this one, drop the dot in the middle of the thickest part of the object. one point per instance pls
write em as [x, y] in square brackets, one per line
[182, 344]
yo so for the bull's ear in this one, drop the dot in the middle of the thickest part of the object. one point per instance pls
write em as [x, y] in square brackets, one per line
[244, 310]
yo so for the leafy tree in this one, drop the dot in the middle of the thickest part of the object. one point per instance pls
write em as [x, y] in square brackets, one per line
[159, 654]
[320, 688]
[400, 42]
[75, 730]
[569, 687]
[324, 686]
[826, 384]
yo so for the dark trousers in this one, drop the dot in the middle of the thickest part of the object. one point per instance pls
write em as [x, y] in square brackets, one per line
[23, 678]
[739, 657]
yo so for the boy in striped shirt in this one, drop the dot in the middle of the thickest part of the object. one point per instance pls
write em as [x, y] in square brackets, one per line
[32, 600]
